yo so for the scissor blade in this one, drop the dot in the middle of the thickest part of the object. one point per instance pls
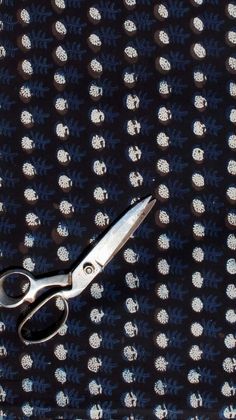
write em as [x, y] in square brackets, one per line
[107, 247]
[118, 234]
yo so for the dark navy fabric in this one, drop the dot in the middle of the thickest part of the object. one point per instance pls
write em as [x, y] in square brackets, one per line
[102, 103]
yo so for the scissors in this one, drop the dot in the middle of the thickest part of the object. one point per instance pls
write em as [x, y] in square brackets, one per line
[67, 286]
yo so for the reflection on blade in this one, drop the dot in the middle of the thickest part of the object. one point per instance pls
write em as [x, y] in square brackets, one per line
[118, 235]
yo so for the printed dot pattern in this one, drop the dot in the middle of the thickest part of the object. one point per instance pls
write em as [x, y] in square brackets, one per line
[103, 103]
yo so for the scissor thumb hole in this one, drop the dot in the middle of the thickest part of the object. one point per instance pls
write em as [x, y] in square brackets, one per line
[14, 285]
[32, 328]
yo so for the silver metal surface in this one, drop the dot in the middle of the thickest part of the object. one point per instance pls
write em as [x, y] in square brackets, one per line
[34, 339]
[73, 283]
[34, 287]
[109, 246]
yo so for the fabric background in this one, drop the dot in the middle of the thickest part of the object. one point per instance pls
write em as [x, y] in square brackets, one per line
[102, 103]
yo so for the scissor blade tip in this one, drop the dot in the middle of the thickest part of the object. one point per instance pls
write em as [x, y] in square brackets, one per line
[142, 208]
[148, 202]
[149, 198]
[152, 199]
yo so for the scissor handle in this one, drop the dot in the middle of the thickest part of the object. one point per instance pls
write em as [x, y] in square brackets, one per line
[34, 286]
[13, 302]
[33, 337]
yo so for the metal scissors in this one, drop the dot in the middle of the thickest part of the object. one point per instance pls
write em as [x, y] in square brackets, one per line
[66, 286]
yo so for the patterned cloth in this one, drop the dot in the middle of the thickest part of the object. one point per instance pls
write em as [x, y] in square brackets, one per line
[103, 102]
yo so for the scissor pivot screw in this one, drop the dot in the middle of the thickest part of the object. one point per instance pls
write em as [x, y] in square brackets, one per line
[88, 268]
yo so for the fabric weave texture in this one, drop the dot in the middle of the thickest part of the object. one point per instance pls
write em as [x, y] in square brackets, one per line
[103, 103]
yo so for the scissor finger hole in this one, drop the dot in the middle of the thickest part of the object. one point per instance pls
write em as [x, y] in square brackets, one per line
[44, 320]
[16, 285]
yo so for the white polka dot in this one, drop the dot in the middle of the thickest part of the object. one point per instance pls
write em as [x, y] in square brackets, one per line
[231, 9]
[96, 66]
[25, 16]
[164, 64]
[163, 11]
[162, 340]
[231, 266]
[231, 218]
[199, 77]
[198, 2]
[231, 241]
[94, 13]
[232, 167]
[163, 267]
[163, 191]
[164, 114]
[197, 279]
[195, 352]
[193, 376]
[164, 241]
[162, 316]
[231, 37]
[198, 24]
[200, 102]
[199, 230]
[198, 154]
[163, 140]
[95, 40]
[198, 254]
[232, 89]
[198, 206]
[26, 41]
[197, 304]
[164, 88]
[199, 128]
[161, 364]
[199, 50]
[230, 316]
[231, 291]
[60, 27]
[3, 52]
[164, 217]
[162, 291]
[130, 26]
[163, 166]
[164, 37]
[198, 180]
[133, 127]
[131, 52]
[60, 4]
[231, 193]
[232, 64]
[229, 364]
[61, 54]
[230, 341]
[232, 115]
[232, 141]
[196, 329]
